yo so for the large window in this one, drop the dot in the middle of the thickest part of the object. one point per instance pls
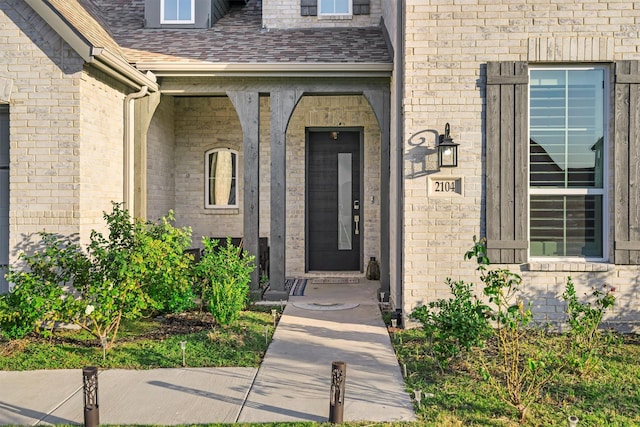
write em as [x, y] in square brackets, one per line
[335, 7]
[221, 189]
[567, 148]
[177, 12]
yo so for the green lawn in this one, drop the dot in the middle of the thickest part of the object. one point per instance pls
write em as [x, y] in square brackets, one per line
[149, 343]
[608, 395]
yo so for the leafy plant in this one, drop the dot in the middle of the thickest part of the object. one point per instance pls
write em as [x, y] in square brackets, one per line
[584, 319]
[169, 282]
[521, 370]
[454, 325]
[225, 274]
[36, 299]
[138, 267]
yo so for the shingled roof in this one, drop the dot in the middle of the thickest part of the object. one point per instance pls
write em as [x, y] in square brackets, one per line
[236, 38]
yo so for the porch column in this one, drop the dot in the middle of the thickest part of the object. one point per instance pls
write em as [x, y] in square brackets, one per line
[380, 102]
[247, 105]
[282, 104]
[144, 109]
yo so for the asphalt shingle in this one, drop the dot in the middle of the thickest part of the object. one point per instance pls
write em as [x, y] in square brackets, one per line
[238, 37]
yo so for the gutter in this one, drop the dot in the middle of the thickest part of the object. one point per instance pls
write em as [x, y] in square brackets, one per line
[118, 68]
[129, 147]
[399, 86]
[268, 69]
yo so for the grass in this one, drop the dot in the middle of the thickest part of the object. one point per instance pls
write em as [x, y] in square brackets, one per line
[149, 343]
[607, 395]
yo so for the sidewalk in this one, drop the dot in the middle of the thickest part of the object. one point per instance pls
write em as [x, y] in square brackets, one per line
[292, 383]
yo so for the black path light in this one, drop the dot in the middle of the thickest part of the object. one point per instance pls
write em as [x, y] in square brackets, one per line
[447, 150]
[90, 391]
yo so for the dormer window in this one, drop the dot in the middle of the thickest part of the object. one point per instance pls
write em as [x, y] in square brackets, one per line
[334, 7]
[177, 12]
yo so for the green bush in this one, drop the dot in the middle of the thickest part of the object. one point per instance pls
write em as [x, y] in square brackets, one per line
[521, 367]
[454, 325]
[137, 268]
[225, 273]
[37, 296]
[170, 279]
[588, 342]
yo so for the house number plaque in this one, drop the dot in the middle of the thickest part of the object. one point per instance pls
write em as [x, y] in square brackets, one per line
[440, 186]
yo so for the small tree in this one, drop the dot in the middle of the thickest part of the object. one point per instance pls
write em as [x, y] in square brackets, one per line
[225, 274]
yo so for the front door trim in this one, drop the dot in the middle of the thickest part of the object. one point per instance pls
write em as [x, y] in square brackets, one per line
[360, 131]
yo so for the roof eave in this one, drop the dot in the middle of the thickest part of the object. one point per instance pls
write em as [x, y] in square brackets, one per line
[69, 33]
[268, 69]
[104, 60]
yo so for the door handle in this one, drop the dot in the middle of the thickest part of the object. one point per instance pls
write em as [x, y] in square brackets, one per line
[356, 221]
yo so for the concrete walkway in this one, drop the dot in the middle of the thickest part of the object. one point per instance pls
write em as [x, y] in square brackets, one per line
[292, 383]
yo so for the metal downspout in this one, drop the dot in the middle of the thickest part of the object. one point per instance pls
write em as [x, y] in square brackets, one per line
[399, 83]
[129, 147]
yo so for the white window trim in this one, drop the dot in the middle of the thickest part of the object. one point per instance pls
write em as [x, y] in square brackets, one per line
[178, 21]
[331, 14]
[604, 192]
[207, 205]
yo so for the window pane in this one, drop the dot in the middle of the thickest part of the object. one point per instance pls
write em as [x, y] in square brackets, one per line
[170, 10]
[184, 10]
[222, 178]
[566, 128]
[344, 201]
[566, 226]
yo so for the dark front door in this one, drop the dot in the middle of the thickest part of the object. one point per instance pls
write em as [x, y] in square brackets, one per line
[334, 217]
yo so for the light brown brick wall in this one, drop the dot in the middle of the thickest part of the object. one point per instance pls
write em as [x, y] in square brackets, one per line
[65, 132]
[447, 47]
[161, 183]
[44, 125]
[101, 150]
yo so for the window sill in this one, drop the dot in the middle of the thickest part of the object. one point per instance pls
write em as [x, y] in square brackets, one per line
[569, 266]
[221, 211]
[335, 17]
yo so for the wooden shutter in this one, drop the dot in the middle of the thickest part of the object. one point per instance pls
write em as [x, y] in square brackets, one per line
[361, 7]
[309, 7]
[507, 150]
[627, 163]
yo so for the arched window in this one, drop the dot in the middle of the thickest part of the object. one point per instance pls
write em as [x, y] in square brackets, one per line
[221, 173]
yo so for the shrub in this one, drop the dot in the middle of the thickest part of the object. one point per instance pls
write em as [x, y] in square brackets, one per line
[454, 325]
[584, 319]
[138, 267]
[169, 282]
[522, 367]
[36, 299]
[225, 274]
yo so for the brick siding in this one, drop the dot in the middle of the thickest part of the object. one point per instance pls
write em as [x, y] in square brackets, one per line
[447, 47]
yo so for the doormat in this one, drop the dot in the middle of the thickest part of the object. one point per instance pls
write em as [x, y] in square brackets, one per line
[295, 286]
[334, 280]
[319, 306]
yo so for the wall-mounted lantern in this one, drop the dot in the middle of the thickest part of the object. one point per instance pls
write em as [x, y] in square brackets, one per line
[447, 150]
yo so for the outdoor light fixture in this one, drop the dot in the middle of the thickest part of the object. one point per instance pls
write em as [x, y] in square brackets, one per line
[334, 135]
[447, 150]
